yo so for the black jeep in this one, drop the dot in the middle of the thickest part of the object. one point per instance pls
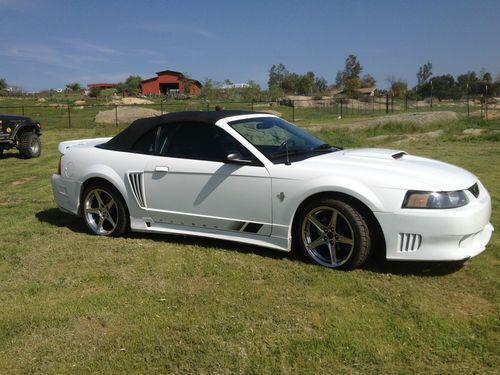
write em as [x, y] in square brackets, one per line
[22, 133]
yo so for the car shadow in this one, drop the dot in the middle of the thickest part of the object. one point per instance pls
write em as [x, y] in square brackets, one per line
[413, 268]
[376, 264]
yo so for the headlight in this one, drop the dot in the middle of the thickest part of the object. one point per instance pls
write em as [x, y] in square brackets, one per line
[435, 199]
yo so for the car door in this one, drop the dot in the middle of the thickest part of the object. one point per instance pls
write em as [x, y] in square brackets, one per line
[189, 182]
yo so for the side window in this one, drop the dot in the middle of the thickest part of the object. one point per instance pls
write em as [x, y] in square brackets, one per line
[146, 144]
[155, 141]
[203, 142]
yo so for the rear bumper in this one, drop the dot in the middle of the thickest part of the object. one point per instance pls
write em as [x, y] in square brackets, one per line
[438, 235]
[66, 194]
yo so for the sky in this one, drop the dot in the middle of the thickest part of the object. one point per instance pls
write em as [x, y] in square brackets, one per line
[47, 44]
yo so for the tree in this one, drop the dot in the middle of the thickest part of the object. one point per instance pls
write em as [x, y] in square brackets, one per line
[320, 84]
[368, 81]
[349, 77]
[351, 72]
[277, 75]
[424, 73]
[133, 84]
[73, 87]
[398, 87]
[3, 84]
[443, 87]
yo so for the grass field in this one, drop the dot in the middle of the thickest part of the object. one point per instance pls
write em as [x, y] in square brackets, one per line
[145, 304]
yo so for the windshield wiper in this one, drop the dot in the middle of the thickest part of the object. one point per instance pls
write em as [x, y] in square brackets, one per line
[323, 146]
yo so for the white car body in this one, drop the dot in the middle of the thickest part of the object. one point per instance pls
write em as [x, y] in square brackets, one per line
[257, 204]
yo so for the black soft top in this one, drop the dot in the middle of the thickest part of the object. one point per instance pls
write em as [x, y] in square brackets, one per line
[124, 140]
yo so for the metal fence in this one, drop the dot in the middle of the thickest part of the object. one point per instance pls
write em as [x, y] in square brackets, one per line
[58, 115]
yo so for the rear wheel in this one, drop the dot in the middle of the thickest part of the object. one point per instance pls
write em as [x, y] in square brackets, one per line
[29, 145]
[333, 233]
[104, 210]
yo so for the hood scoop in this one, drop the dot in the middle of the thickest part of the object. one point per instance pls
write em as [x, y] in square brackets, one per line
[375, 153]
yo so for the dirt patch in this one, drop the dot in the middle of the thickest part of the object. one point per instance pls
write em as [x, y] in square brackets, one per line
[58, 105]
[409, 137]
[420, 136]
[124, 115]
[23, 181]
[130, 101]
[473, 131]
[79, 102]
[421, 118]
[270, 111]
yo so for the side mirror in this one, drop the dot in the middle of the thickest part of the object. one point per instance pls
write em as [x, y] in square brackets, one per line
[237, 158]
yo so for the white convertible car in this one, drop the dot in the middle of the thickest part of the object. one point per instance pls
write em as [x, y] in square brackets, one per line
[255, 178]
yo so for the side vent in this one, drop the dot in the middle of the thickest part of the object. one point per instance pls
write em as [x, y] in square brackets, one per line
[409, 242]
[136, 183]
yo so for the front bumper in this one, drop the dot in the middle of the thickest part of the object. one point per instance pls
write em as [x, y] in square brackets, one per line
[438, 235]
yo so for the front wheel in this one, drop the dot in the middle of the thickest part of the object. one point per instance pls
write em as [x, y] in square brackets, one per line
[104, 210]
[333, 233]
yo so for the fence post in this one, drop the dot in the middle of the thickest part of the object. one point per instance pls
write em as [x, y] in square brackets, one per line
[161, 108]
[208, 106]
[293, 110]
[341, 114]
[386, 103]
[22, 108]
[116, 116]
[69, 116]
[252, 105]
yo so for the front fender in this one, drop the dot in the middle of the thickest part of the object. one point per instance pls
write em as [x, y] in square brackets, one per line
[295, 192]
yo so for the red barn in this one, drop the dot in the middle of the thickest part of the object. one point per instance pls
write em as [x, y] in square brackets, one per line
[170, 81]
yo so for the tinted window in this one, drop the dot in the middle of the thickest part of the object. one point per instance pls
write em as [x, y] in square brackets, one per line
[155, 141]
[203, 142]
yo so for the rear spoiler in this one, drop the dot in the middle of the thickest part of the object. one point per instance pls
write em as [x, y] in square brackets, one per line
[63, 146]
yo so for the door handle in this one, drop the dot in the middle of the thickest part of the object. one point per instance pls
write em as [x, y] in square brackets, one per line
[160, 168]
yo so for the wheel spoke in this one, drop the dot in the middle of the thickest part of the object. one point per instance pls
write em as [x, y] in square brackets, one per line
[97, 195]
[346, 240]
[110, 204]
[100, 224]
[333, 253]
[92, 210]
[333, 220]
[111, 221]
[317, 242]
[316, 223]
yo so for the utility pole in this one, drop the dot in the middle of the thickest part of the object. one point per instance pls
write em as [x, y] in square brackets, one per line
[431, 94]
[486, 101]
[468, 110]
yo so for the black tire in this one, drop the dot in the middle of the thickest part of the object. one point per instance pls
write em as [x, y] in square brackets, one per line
[29, 145]
[104, 211]
[333, 234]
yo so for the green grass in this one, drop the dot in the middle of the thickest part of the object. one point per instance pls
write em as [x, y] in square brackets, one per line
[76, 303]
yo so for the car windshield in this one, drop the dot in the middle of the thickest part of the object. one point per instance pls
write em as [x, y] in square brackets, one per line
[279, 140]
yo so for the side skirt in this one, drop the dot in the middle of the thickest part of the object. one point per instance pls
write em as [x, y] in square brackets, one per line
[144, 224]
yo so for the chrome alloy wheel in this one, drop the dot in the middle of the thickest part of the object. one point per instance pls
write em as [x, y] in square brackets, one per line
[100, 212]
[328, 236]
